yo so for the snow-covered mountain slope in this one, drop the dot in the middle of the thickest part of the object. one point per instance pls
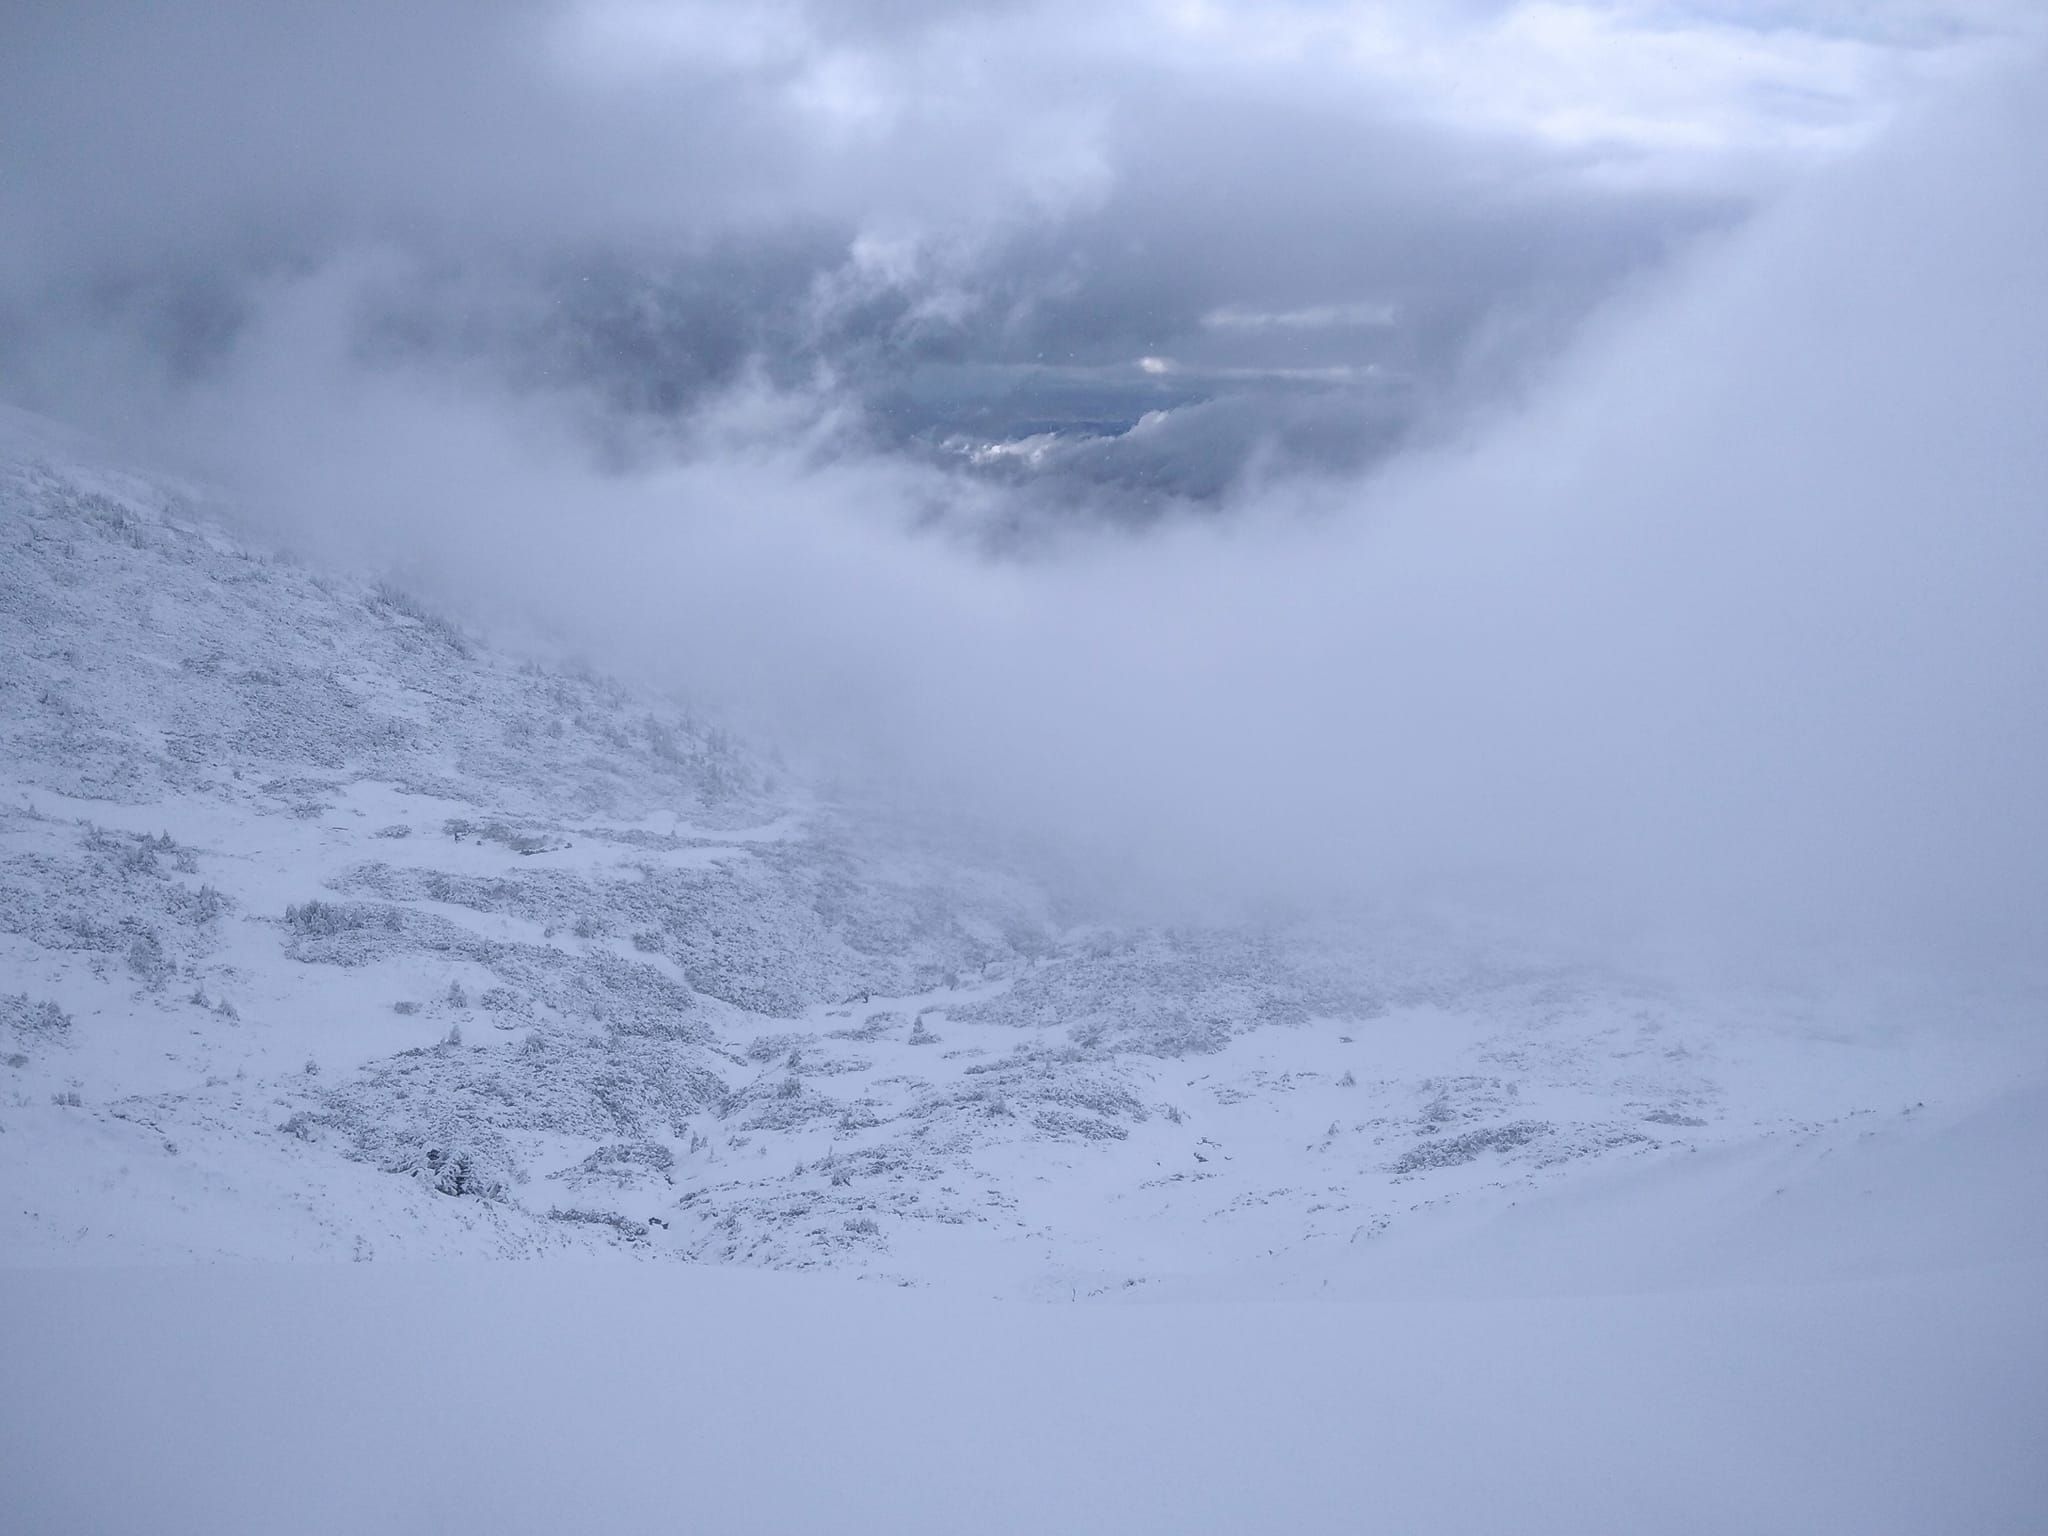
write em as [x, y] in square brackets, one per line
[328, 931]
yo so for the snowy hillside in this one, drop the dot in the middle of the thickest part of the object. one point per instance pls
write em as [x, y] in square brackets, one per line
[326, 931]
[1038, 768]
[329, 933]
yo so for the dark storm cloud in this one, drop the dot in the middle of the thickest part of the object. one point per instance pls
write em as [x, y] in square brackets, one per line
[646, 205]
[1730, 620]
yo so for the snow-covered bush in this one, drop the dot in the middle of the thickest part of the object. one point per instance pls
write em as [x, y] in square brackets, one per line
[626, 1227]
[147, 961]
[20, 1013]
[622, 1162]
[326, 919]
[452, 1171]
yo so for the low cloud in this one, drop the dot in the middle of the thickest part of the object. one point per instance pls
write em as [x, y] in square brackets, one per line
[636, 204]
[1726, 619]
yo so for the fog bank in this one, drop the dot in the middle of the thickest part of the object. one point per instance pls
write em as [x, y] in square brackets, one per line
[1733, 627]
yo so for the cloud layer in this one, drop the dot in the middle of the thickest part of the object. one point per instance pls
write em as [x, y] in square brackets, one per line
[965, 225]
[682, 338]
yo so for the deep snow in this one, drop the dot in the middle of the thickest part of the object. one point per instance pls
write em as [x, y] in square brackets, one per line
[329, 932]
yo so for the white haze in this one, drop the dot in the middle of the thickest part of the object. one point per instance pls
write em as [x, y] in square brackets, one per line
[1736, 629]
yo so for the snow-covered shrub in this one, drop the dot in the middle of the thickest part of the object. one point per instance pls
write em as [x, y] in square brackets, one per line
[1065, 1124]
[626, 1227]
[200, 907]
[325, 919]
[520, 842]
[147, 961]
[18, 1011]
[1451, 1151]
[449, 1171]
[622, 1162]
[391, 599]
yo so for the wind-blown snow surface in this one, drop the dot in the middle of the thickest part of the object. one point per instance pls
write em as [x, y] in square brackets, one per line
[328, 933]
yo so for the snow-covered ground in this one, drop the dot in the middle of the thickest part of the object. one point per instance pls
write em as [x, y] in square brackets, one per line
[573, 1397]
[329, 933]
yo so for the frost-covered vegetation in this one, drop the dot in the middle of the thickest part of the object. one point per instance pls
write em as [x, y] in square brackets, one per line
[374, 940]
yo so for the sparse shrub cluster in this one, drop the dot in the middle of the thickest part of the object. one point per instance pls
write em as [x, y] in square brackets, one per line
[1451, 1151]
[205, 905]
[1673, 1118]
[449, 1172]
[147, 961]
[396, 600]
[874, 1027]
[626, 1227]
[506, 1003]
[326, 919]
[622, 1162]
[22, 1013]
[1067, 1124]
[138, 853]
[514, 838]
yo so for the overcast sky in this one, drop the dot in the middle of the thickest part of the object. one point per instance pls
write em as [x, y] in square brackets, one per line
[998, 233]
[1593, 448]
